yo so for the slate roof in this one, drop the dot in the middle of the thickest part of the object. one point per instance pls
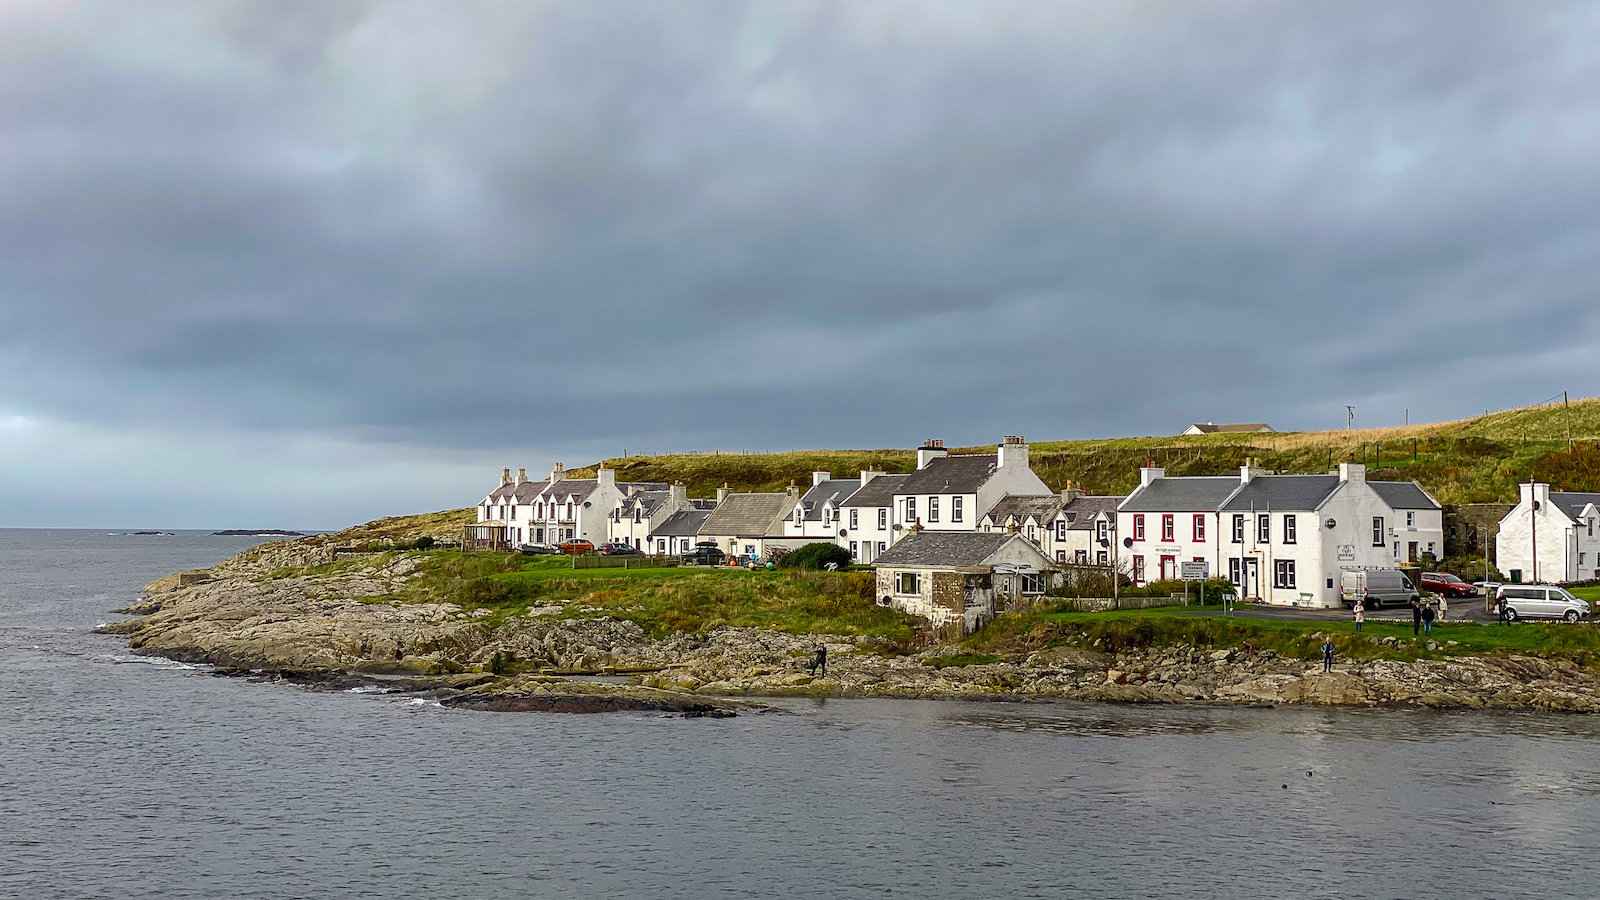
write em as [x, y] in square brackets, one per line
[1572, 503]
[951, 475]
[646, 502]
[1404, 495]
[879, 491]
[1084, 509]
[683, 523]
[944, 548]
[1042, 508]
[502, 492]
[749, 515]
[1228, 428]
[836, 489]
[578, 489]
[1285, 492]
[702, 503]
[1182, 494]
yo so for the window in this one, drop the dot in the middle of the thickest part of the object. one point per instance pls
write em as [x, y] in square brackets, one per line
[636, 516]
[1061, 556]
[1032, 583]
[1061, 530]
[1100, 530]
[908, 583]
[1591, 527]
[911, 509]
[513, 512]
[1138, 570]
[1264, 528]
[1283, 573]
[1199, 527]
[1033, 534]
[1166, 527]
[1289, 528]
[1377, 535]
[883, 518]
[538, 511]
[1411, 519]
[855, 518]
[1238, 529]
[933, 509]
[1100, 557]
[661, 545]
[1233, 571]
[799, 514]
[853, 553]
[1138, 527]
[955, 509]
[827, 516]
[1081, 557]
[882, 546]
[569, 510]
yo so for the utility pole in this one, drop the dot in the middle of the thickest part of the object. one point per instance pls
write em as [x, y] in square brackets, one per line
[1533, 517]
[1349, 417]
[1566, 409]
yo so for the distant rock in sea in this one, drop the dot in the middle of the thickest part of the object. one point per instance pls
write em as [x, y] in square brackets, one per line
[259, 532]
[162, 533]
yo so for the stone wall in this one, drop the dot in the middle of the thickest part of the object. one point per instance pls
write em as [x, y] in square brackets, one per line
[1465, 527]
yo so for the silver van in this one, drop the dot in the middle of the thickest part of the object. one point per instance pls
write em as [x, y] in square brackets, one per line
[1541, 601]
[1376, 588]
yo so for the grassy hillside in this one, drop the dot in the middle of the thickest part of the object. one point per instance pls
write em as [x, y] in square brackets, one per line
[1464, 461]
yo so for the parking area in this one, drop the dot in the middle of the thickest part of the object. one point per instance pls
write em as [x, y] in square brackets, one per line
[1459, 610]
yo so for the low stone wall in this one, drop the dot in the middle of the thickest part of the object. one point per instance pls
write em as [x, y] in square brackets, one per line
[1101, 604]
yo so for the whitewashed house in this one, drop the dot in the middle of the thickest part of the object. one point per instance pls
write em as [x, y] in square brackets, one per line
[636, 517]
[510, 506]
[567, 509]
[1082, 528]
[1550, 536]
[745, 525]
[1418, 522]
[1226, 428]
[960, 578]
[1166, 521]
[868, 515]
[1032, 517]
[679, 532]
[818, 513]
[951, 493]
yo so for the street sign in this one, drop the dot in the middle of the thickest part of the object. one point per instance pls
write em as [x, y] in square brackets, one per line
[1195, 571]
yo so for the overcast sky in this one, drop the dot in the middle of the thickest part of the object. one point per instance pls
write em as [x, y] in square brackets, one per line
[298, 263]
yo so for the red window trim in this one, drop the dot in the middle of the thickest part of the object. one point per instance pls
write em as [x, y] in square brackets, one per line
[1138, 526]
[1169, 529]
[1199, 526]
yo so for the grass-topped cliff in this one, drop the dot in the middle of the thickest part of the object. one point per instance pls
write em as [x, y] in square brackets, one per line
[1464, 461]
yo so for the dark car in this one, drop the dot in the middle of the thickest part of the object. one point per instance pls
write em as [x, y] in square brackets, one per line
[577, 548]
[618, 549]
[1447, 584]
[704, 555]
[537, 549]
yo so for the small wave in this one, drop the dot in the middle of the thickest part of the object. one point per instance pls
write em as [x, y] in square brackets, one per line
[424, 701]
[119, 659]
[367, 689]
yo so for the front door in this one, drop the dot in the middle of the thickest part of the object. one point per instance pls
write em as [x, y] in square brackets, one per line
[1411, 551]
[1169, 568]
[1252, 578]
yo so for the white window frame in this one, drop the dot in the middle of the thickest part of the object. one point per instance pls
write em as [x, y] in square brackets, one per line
[1238, 528]
[1263, 528]
[1290, 529]
[933, 509]
[956, 510]
[1378, 536]
[855, 517]
[911, 510]
[904, 579]
[883, 518]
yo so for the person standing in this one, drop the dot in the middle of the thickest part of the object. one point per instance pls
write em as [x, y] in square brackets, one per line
[1444, 608]
[1427, 619]
[1416, 617]
[1327, 654]
[1361, 615]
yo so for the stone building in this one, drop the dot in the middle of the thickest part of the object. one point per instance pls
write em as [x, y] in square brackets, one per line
[960, 579]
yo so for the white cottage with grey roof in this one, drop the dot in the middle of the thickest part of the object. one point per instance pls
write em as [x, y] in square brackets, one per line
[867, 515]
[1550, 536]
[745, 524]
[818, 513]
[637, 515]
[963, 579]
[679, 532]
[951, 493]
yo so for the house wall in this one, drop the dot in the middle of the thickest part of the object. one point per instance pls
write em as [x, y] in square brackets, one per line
[1427, 532]
[1182, 548]
[941, 596]
[867, 531]
[1320, 553]
[1562, 542]
[970, 512]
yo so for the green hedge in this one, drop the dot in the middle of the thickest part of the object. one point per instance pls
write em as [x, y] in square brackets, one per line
[815, 556]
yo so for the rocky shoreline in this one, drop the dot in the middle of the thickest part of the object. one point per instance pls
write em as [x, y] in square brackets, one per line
[318, 629]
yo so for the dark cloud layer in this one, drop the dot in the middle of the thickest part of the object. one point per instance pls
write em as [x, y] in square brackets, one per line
[397, 243]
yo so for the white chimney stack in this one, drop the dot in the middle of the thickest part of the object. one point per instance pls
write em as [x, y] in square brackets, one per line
[522, 474]
[929, 451]
[1070, 493]
[678, 496]
[867, 475]
[1148, 474]
[505, 475]
[557, 472]
[1247, 471]
[1013, 451]
[1352, 472]
[819, 477]
[722, 493]
[605, 476]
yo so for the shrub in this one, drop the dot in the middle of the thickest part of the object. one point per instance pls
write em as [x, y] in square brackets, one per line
[422, 543]
[816, 556]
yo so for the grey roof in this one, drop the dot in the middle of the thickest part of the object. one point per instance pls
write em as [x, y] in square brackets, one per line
[951, 475]
[749, 515]
[502, 491]
[879, 491]
[1403, 495]
[1182, 494]
[1082, 511]
[578, 489]
[1285, 492]
[1214, 428]
[835, 489]
[702, 503]
[646, 502]
[1573, 503]
[683, 523]
[944, 548]
[1043, 508]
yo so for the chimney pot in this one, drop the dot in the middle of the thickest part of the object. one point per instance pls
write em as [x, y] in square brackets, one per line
[505, 475]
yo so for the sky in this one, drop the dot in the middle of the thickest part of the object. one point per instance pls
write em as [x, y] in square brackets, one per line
[300, 263]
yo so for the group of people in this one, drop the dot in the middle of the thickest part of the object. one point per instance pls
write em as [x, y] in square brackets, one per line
[1423, 614]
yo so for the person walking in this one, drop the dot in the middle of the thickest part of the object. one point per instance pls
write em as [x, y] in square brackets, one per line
[1427, 619]
[1361, 615]
[1327, 654]
[819, 660]
[1416, 617]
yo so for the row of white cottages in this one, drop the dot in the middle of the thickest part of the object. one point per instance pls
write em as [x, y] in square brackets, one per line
[1282, 538]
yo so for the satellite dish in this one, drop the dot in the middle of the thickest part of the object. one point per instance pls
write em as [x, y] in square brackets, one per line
[1127, 542]
[844, 532]
[1104, 543]
[1331, 522]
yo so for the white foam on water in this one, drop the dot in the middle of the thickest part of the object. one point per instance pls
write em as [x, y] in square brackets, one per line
[366, 689]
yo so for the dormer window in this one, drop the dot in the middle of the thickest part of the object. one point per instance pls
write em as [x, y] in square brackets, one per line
[827, 515]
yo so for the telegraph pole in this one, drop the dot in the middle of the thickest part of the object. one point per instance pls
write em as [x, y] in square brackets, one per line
[1533, 517]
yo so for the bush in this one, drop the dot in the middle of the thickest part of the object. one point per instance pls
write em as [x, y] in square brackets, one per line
[422, 543]
[816, 556]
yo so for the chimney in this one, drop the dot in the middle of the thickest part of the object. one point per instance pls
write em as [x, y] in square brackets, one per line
[1013, 451]
[505, 475]
[867, 475]
[557, 472]
[1148, 474]
[678, 496]
[1247, 471]
[1537, 492]
[606, 477]
[722, 493]
[1352, 472]
[522, 474]
[819, 477]
[1070, 493]
[929, 451]
[794, 490]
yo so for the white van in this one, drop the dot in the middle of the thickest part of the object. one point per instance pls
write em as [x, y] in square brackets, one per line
[1541, 601]
[1376, 588]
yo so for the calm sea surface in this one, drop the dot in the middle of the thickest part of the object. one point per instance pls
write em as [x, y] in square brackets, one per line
[130, 777]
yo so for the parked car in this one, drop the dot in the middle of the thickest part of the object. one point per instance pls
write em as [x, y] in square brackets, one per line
[617, 548]
[1376, 588]
[1447, 584]
[537, 549]
[704, 555]
[1541, 601]
[577, 547]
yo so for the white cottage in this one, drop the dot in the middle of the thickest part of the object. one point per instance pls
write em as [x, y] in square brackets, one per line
[951, 493]
[1550, 536]
[743, 525]
[818, 513]
[637, 516]
[869, 528]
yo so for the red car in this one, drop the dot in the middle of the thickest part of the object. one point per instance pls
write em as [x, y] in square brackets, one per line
[1447, 584]
[576, 548]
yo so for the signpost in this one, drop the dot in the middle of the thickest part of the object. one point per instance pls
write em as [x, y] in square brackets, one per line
[1199, 570]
